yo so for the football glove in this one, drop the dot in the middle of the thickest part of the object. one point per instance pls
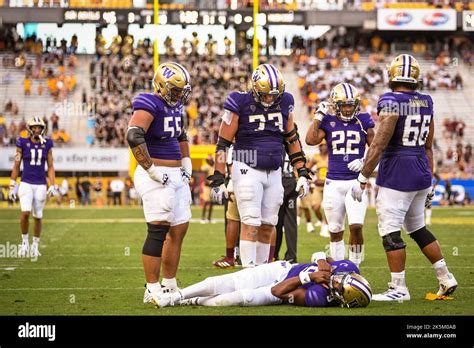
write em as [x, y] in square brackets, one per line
[53, 190]
[302, 185]
[321, 111]
[356, 165]
[186, 170]
[357, 191]
[218, 189]
[430, 197]
[12, 193]
[156, 174]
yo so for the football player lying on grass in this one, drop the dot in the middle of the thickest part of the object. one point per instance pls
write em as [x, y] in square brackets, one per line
[322, 283]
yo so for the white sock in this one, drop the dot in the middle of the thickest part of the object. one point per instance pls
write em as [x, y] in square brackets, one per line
[338, 250]
[169, 283]
[236, 252]
[398, 278]
[248, 253]
[25, 238]
[153, 287]
[309, 227]
[263, 250]
[36, 240]
[298, 220]
[356, 253]
[441, 269]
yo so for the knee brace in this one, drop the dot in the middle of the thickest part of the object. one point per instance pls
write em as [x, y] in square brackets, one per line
[422, 237]
[155, 239]
[393, 241]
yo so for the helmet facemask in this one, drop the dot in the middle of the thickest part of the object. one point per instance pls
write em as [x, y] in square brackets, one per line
[267, 99]
[341, 109]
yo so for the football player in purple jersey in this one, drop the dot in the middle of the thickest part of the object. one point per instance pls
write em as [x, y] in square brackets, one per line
[403, 146]
[35, 151]
[317, 284]
[346, 131]
[261, 121]
[160, 145]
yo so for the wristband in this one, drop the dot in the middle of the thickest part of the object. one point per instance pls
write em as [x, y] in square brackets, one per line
[362, 179]
[12, 182]
[304, 278]
[318, 256]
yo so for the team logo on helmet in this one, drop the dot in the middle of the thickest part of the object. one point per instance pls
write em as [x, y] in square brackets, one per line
[267, 85]
[173, 83]
[345, 100]
[350, 289]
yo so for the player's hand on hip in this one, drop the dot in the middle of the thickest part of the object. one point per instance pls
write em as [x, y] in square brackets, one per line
[13, 191]
[322, 111]
[357, 191]
[157, 174]
[218, 188]
[53, 190]
[430, 197]
[356, 165]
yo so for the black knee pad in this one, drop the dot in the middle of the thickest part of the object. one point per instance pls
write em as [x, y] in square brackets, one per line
[422, 237]
[155, 239]
[393, 241]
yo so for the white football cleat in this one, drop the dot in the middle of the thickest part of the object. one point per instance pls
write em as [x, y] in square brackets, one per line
[309, 227]
[193, 301]
[35, 250]
[24, 250]
[168, 299]
[150, 296]
[394, 293]
[318, 224]
[324, 231]
[447, 285]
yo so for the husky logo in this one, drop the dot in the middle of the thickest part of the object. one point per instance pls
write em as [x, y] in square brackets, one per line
[244, 171]
[252, 107]
[168, 73]
[333, 124]
[256, 76]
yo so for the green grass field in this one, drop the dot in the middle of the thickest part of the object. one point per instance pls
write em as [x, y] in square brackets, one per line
[91, 265]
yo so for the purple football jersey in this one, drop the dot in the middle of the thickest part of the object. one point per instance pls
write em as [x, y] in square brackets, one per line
[259, 139]
[34, 157]
[316, 294]
[346, 143]
[162, 135]
[404, 165]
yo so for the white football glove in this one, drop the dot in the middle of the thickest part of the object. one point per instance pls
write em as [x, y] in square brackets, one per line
[357, 191]
[430, 197]
[302, 186]
[321, 111]
[186, 170]
[156, 174]
[53, 190]
[12, 193]
[356, 165]
[218, 192]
